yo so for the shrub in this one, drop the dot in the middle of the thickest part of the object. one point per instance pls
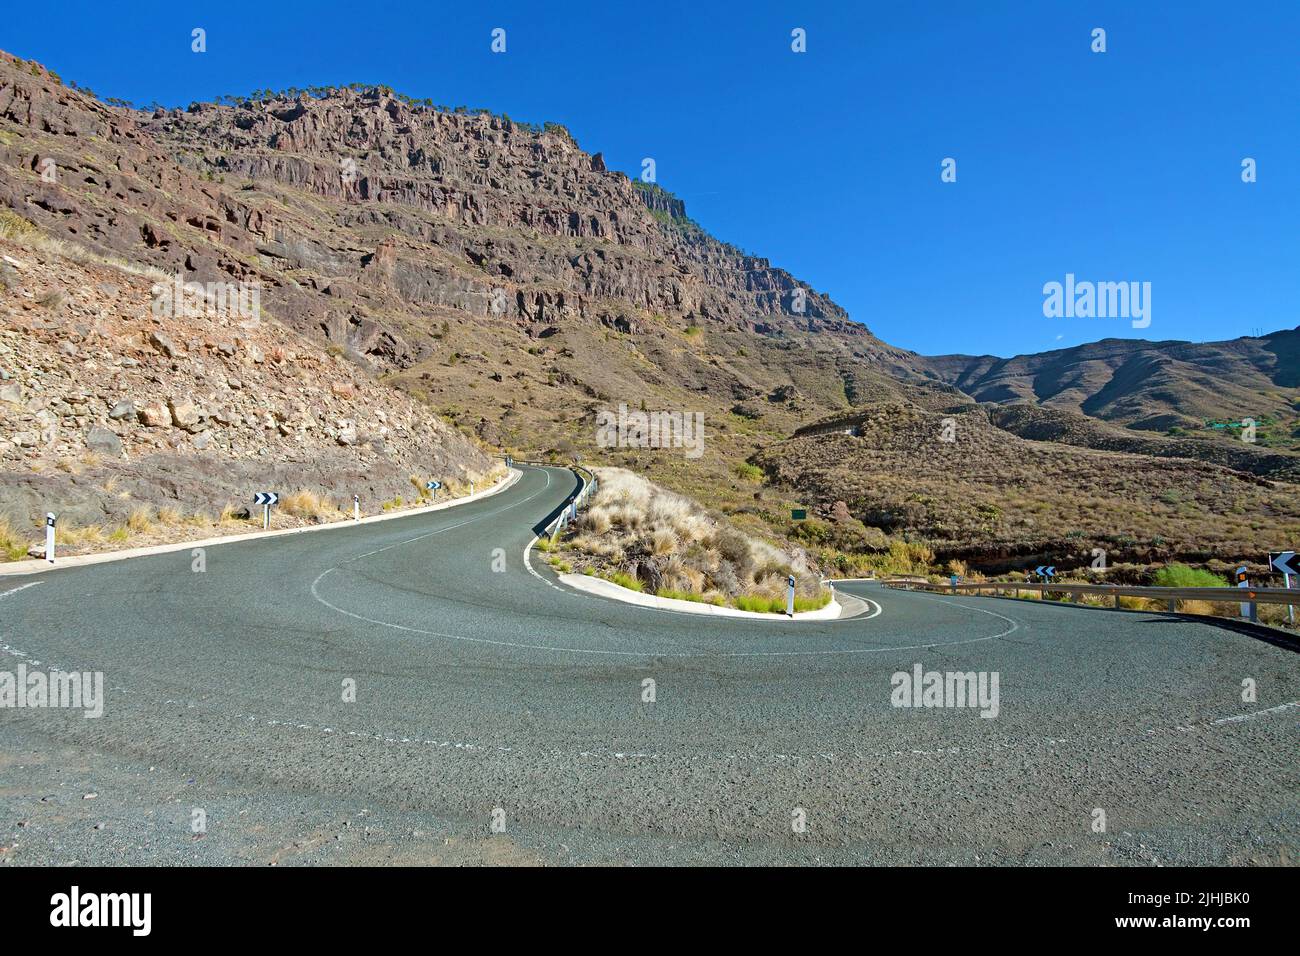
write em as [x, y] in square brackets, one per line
[1186, 576]
[12, 545]
[624, 580]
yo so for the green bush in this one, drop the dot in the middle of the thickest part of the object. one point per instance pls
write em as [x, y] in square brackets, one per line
[760, 604]
[624, 580]
[1186, 576]
[680, 595]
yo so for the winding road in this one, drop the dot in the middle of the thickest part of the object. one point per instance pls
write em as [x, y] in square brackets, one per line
[486, 694]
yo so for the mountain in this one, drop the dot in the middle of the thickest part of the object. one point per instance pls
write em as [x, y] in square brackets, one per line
[504, 281]
[1151, 386]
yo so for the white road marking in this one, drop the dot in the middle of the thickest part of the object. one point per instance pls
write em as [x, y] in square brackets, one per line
[21, 587]
[1239, 718]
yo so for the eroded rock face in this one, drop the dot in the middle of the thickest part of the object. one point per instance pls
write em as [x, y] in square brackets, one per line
[483, 216]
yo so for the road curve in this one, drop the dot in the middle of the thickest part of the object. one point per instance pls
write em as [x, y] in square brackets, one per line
[488, 693]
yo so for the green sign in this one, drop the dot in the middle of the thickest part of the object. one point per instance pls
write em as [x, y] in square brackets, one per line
[799, 514]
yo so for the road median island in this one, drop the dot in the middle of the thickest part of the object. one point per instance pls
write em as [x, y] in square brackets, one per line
[589, 584]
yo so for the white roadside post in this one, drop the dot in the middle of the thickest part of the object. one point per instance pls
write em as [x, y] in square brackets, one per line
[471, 487]
[789, 597]
[356, 507]
[1243, 581]
[49, 537]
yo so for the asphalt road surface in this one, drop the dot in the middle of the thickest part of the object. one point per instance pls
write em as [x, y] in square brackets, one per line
[486, 694]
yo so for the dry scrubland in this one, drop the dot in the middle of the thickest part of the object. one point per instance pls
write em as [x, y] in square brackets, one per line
[647, 538]
[1000, 502]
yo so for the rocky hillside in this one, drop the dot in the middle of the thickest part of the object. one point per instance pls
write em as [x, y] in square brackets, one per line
[975, 492]
[114, 411]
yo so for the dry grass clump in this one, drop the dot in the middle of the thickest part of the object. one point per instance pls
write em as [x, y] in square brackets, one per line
[13, 546]
[308, 504]
[140, 522]
[635, 531]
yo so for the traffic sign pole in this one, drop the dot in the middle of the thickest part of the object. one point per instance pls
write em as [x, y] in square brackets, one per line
[266, 499]
[1288, 562]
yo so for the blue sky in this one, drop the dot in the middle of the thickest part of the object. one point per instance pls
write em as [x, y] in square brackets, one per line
[1115, 166]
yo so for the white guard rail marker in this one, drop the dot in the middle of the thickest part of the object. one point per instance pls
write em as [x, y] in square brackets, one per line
[49, 537]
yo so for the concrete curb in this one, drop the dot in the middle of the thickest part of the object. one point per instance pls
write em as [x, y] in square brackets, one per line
[39, 566]
[599, 586]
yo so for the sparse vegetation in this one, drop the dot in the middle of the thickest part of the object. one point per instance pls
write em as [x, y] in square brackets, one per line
[644, 537]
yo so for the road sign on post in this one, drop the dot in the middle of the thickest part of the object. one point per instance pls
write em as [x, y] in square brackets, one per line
[49, 537]
[266, 499]
[1288, 562]
[789, 597]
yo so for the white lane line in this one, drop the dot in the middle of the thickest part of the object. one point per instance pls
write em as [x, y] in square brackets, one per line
[1280, 708]
[21, 587]
[650, 653]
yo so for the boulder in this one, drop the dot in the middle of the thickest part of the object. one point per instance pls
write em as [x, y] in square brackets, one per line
[184, 414]
[100, 439]
[163, 344]
[155, 415]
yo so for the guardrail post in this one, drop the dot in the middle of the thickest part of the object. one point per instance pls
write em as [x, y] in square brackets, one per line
[1173, 605]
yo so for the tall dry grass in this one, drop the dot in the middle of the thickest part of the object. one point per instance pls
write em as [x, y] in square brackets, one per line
[636, 530]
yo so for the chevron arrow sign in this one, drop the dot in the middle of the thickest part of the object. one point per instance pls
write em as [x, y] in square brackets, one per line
[433, 485]
[265, 498]
[1285, 561]
[1045, 572]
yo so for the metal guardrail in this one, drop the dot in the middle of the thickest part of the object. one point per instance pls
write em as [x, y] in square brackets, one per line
[1171, 596]
[579, 499]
